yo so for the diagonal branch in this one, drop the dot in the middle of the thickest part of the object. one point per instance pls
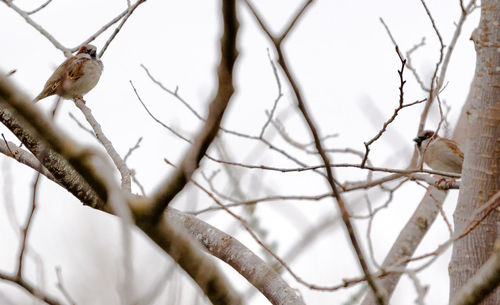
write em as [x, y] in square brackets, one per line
[22, 156]
[36, 10]
[174, 184]
[60, 169]
[130, 10]
[210, 238]
[430, 99]
[37, 27]
[380, 295]
[81, 159]
[402, 82]
[106, 26]
[106, 143]
[174, 241]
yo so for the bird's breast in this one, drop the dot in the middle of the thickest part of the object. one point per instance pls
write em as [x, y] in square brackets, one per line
[90, 77]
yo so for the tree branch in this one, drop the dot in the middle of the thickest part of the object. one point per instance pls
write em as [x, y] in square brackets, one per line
[171, 239]
[174, 184]
[380, 294]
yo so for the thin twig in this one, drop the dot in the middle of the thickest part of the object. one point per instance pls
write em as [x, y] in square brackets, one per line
[91, 173]
[155, 118]
[60, 286]
[421, 290]
[380, 295]
[410, 67]
[333, 165]
[388, 32]
[204, 138]
[401, 105]
[7, 144]
[39, 8]
[486, 209]
[118, 28]
[88, 130]
[132, 149]
[263, 199]
[174, 93]
[40, 29]
[408, 53]
[30, 289]
[101, 30]
[26, 228]
[430, 99]
[245, 224]
[280, 94]
[222, 129]
[292, 23]
[139, 185]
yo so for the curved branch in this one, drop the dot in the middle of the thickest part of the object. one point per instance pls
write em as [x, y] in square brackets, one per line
[171, 239]
[106, 143]
[230, 250]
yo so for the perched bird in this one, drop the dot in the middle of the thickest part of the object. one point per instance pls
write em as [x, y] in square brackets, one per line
[75, 77]
[440, 154]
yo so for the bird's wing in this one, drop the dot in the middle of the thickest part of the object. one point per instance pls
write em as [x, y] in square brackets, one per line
[55, 81]
[454, 147]
[75, 68]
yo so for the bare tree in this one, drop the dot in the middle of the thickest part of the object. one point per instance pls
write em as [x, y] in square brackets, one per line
[88, 173]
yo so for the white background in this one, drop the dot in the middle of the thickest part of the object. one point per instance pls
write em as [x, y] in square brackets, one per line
[347, 68]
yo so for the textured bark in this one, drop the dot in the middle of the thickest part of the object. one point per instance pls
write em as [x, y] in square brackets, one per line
[234, 253]
[61, 171]
[481, 169]
[482, 283]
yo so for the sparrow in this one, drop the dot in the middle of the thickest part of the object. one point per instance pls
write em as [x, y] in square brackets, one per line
[75, 77]
[439, 153]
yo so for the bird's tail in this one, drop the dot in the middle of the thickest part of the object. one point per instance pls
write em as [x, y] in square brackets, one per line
[48, 91]
[39, 97]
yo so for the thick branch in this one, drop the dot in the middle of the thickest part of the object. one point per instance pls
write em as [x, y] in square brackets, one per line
[22, 156]
[166, 236]
[60, 169]
[230, 250]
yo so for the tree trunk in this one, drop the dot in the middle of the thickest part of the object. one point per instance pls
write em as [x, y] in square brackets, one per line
[481, 168]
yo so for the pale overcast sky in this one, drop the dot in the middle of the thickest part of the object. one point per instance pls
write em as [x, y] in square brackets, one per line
[347, 68]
